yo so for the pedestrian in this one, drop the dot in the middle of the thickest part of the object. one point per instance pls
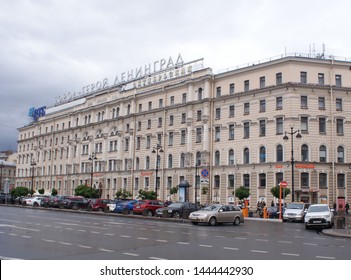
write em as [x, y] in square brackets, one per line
[347, 207]
[272, 203]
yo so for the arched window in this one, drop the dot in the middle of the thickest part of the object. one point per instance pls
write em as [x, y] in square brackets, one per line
[323, 153]
[170, 161]
[217, 158]
[279, 153]
[182, 160]
[137, 163]
[113, 113]
[304, 152]
[147, 163]
[246, 156]
[341, 154]
[231, 159]
[262, 154]
[117, 112]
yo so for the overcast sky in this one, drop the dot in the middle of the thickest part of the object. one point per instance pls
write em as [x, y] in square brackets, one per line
[49, 48]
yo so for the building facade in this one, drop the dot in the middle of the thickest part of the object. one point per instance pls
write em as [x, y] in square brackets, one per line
[216, 131]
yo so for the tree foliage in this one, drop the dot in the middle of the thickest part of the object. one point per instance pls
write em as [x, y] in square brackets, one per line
[54, 192]
[88, 192]
[242, 192]
[41, 191]
[19, 191]
[147, 194]
[275, 192]
[173, 190]
[123, 194]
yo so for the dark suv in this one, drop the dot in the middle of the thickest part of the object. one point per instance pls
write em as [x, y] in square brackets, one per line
[98, 204]
[74, 202]
[147, 206]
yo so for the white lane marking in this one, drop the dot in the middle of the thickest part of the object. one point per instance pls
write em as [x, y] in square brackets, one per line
[241, 238]
[8, 258]
[291, 254]
[310, 244]
[298, 236]
[169, 231]
[26, 236]
[106, 250]
[142, 238]
[109, 234]
[68, 228]
[161, 240]
[49, 240]
[155, 258]
[263, 240]
[183, 243]
[65, 243]
[96, 232]
[156, 230]
[16, 227]
[258, 251]
[84, 246]
[230, 248]
[286, 242]
[220, 236]
[131, 254]
[323, 257]
[125, 236]
[204, 245]
[82, 230]
[13, 234]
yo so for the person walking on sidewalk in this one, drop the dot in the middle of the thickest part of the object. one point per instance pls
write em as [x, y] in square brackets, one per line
[347, 207]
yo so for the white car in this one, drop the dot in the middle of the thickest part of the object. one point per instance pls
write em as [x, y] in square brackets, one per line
[32, 201]
[319, 215]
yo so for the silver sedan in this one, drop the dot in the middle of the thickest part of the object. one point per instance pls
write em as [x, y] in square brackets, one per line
[218, 213]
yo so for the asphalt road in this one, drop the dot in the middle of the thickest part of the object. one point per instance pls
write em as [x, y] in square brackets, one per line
[38, 234]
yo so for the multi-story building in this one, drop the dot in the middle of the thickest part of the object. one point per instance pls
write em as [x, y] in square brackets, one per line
[7, 176]
[217, 131]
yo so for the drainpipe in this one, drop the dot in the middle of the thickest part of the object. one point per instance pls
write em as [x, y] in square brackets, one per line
[332, 126]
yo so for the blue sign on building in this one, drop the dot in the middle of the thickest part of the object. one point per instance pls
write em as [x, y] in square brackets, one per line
[36, 113]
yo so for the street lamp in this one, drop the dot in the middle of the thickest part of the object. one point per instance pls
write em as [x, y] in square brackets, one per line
[292, 161]
[92, 157]
[156, 150]
[32, 164]
[1, 167]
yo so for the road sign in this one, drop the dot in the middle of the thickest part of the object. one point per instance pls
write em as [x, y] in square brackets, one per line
[283, 184]
[204, 173]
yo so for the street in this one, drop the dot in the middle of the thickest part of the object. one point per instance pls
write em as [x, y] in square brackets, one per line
[38, 234]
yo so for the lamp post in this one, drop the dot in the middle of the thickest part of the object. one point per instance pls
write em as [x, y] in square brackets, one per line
[32, 164]
[292, 161]
[1, 167]
[196, 177]
[156, 150]
[92, 157]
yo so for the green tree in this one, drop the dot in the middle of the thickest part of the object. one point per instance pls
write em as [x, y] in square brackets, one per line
[173, 190]
[19, 191]
[88, 192]
[275, 192]
[41, 191]
[147, 194]
[242, 192]
[123, 194]
[54, 192]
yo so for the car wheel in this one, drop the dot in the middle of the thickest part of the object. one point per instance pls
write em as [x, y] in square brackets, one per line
[212, 221]
[194, 223]
[176, 215]
[149, 213]
[284, 221]
[24, 203]
[35, 204]
[236, 221]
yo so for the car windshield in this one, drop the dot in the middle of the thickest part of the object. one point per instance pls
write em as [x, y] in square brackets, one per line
[212, 208]
[321, 208]
[295, 206]
[176, 205]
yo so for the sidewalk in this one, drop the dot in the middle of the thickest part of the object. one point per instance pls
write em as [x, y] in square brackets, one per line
[346, 232]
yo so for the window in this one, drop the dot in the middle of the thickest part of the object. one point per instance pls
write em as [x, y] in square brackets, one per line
[182, 136]
[304, 124]
[231, 132]
[139, 126]
[183, 117]
[279, 177]
[279, 125]
[218, 113]
[126, 147]
[279, 103]
[150, 105]
[170, 161]
[262, 82]
[278, 78]
[140, 108]
[340, 126]
[231, 111]
[341, 181]
[231, 159]
[262, 154]
[338, 80]
[262, 131]
[262, 180]
[303, 77]
[246, 130]
[322, 153]
[138, 141]
[231, 89]
[199, 94]
[218, 91]
[182, 160]
[322, 125]
[171, 101]
[159, 122]
[246, 108]
[320, 79]
[147, 162]
[279, 153]
[321, 103]
[340, 152]
[170, 138]
[217, 180]
[246, 156]
[198, 115]
[148, 124]
[262, 106]
[246, 85]
[231, 182]
[338, 104]
[184, 98]
[305, 180]
[160, 103]
[304, 152]
[246, 179]
[148, 142]
[217, 158]
[217, 133]
[323, 181]
[198, 135]
[198, 159]
[171, 120]
[304, 104]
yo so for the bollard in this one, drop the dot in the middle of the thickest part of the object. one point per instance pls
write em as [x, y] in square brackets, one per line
[265, 214]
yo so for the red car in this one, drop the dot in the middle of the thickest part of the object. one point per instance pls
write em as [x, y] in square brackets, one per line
[149, 206]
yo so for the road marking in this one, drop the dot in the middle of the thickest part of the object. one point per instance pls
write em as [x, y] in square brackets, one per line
[125, 236]
[183, 243]
[263, 240]
[287, 242]
[110, 234]
[12, 226]
[298, 236]
[258, 251]
[68, 228]
[156, 230]
[13, 234]
[220, 236]
[169, 231]
[131, 254]
[84, 246]
[310, 244]
[65, 243]
[96, 232]
[241, 238]
[49, 240]
[82, 230]
[204, 245]
[106, 250]
[142, 238]
[26, 236]
[230, 248]
[161, 240]
[155, 258]
[291, 254]
[323, 257]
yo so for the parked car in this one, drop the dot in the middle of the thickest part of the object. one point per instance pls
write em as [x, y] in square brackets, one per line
[295, 211]
[125, 206]
[273, 212]
[176, 210]
[6, 198]
[218, 213]
[319, 215]
[112, 204]
[34, 201]
[74, 202]
[98, 204]
[55, 201]
[149, 206]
